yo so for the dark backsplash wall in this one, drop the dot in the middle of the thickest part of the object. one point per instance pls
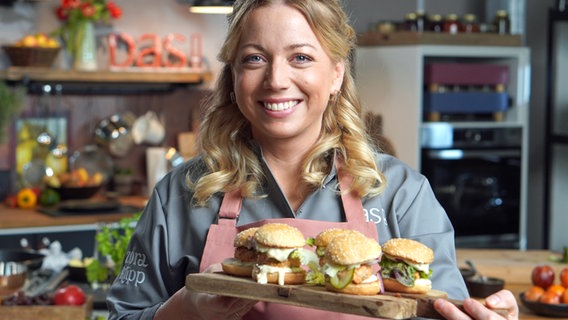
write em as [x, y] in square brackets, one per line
[179, 111]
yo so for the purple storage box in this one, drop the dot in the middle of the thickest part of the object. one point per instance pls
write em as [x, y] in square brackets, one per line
[465, 102]
[465, 74]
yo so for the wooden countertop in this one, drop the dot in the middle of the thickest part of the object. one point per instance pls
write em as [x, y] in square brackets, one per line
[16, 218]
[514, 266]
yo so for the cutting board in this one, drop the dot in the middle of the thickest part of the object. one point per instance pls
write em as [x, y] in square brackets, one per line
[389, 305]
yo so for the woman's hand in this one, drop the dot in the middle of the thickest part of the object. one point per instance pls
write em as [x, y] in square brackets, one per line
[503, 299]
[187, 304]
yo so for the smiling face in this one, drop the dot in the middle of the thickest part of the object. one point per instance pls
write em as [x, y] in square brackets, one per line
[283, 77]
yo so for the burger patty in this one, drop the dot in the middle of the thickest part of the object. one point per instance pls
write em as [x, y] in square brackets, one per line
[245, 255]
[264, 259]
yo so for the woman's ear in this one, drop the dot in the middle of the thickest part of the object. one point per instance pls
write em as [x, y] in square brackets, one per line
[339, 72]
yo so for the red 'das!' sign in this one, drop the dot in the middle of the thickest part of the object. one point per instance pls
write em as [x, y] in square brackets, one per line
[152, 51]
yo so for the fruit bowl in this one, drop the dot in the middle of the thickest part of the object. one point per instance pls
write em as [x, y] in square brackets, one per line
[31, 56]
[69, 193]
[545, 309]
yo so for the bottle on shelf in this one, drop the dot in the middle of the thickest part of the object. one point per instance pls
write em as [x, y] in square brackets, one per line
[502, 23]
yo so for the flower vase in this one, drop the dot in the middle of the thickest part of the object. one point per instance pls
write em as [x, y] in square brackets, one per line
[85, 57]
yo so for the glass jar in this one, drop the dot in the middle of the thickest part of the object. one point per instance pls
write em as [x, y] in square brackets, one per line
[410, 23]
[421, 21]
[451, 24]
[502, 23]
[436, 23]
[469, 24]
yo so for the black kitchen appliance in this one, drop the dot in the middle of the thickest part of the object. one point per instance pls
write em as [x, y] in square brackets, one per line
[475, 173]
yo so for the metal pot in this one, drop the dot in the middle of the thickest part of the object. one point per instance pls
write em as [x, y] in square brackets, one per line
[114, 133]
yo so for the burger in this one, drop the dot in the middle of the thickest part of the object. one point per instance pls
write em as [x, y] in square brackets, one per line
[405, 266]
[351, 265]
[245, 255]
[280, 254]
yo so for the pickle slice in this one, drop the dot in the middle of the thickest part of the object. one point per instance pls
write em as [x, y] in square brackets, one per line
[342, 279]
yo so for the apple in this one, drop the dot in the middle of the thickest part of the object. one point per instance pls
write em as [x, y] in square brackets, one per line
[543, 276]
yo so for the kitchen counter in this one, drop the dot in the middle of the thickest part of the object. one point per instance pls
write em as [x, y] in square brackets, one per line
[514, 266]
[21, 221]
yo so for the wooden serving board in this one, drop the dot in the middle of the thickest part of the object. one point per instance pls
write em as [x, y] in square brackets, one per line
[389, 305]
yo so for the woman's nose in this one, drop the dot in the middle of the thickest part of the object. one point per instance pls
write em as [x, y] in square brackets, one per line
[277, 76]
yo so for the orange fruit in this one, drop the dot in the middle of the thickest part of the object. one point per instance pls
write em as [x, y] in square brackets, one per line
[565, 297]
[564, 277]
[550, 297]
[557, 289]
[533, 293]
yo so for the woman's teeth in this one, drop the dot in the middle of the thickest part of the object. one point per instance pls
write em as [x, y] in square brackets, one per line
[280, 106]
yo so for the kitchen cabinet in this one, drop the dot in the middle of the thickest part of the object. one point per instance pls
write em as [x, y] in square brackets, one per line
[391, 81]
[556, 174]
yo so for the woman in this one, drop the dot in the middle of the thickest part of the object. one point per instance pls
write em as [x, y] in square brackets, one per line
[282, 141]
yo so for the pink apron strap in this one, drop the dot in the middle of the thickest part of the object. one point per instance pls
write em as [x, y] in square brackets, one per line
[352, 204]
[221, 236]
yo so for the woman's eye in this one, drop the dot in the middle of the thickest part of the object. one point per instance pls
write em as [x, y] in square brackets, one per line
[252, 59]
[302, 58]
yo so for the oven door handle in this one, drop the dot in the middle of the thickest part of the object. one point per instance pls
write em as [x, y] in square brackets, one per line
[456, 154]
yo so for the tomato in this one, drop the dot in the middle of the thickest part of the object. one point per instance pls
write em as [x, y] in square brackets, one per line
[534, 293]
[26, 198]
[543, 276]
[564, 277]
[550, 298]
[70, 295]
[11, 201]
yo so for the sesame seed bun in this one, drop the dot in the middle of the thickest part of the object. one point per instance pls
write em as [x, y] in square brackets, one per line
[244, 238]
[409, 250]
[352, 248]
[324, 237]
[279, 235]
[367, 289]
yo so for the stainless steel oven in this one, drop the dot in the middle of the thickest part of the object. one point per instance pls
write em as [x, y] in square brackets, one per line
[476, 175]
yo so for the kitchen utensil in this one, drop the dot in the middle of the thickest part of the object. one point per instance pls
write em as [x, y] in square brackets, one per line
[31, 260]
[114, 133]
[12, 277]
[476, 273]
[148, 129]
[45, 138]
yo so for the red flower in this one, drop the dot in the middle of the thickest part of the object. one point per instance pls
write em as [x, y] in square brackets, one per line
[61, 13]
[88, 9]
[114, 10]
[70, 4]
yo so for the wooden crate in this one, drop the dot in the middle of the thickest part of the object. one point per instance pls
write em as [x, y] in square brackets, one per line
[437, 38]
[48, 312]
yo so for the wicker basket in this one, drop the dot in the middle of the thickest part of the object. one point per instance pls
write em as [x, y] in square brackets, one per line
[31, 57]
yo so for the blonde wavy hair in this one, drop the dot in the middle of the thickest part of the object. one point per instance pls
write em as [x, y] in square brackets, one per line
[224, 137]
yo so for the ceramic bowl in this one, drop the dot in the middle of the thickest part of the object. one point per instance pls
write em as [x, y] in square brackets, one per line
[481, 287]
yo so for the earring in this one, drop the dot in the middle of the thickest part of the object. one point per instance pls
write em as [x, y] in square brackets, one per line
[232, 96]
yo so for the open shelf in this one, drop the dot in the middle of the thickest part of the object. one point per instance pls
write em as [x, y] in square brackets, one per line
[105, 81]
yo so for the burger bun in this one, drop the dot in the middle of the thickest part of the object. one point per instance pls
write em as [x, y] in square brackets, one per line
[367, 289]
[237, 268]
[298, 277]
[420, 286]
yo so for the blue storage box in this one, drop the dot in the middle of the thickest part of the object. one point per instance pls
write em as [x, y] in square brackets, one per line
[465, 102]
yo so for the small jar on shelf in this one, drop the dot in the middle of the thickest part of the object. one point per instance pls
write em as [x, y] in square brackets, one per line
[451, 24]
[469, 23]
